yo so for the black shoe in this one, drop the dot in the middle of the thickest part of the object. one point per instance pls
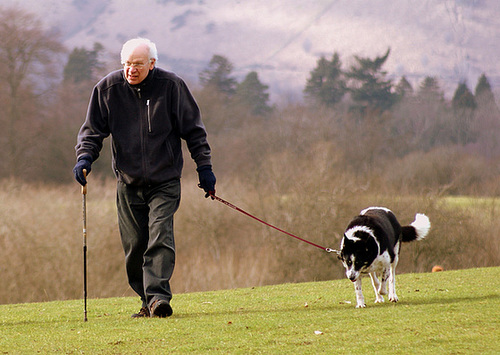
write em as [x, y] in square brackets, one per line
[161, 308]
[144, 312]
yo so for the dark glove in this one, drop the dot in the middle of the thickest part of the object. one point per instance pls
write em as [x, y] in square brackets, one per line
[207, 179]
[84, 162]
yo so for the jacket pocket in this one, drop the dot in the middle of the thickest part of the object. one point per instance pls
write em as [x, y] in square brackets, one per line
[169, 154]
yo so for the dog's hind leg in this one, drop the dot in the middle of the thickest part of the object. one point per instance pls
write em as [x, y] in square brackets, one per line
[392, 283]
[360, 300]
[376, 287]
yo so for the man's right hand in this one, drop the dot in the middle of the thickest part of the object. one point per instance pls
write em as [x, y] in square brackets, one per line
[84, 162]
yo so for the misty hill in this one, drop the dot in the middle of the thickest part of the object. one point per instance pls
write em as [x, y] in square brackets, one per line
[453, 40]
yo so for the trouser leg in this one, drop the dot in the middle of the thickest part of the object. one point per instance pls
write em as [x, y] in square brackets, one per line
[159, 258]
[145, 218]
[133, 225]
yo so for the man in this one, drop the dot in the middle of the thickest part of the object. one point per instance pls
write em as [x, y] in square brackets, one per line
[147, 111]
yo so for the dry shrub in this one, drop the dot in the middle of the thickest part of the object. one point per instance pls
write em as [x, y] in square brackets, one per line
[448, 169]
[41, 243]
[217, 247]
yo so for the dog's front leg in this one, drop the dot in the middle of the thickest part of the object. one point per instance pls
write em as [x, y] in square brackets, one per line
[392, 284]
[383, 283]
[376, 288]
[360, 300]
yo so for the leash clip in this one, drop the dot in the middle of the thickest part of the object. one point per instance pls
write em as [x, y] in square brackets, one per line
[330, 250]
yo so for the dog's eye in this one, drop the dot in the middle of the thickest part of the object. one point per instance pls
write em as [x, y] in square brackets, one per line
[348, 262]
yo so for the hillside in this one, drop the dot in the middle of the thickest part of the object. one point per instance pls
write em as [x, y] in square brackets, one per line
[451, 312]
[453, 40]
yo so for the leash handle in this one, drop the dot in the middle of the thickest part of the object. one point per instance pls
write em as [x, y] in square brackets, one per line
[328, 250]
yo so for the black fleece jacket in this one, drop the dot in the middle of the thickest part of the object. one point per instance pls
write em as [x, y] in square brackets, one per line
[147, 122]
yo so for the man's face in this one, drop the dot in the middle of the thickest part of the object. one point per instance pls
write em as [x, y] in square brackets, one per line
[137, 65]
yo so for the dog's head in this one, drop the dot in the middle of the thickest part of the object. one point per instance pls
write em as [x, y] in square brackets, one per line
[358, 249]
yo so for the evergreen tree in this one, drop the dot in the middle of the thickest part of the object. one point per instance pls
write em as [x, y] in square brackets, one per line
[463, 98]
[483, 85]
[430, 90]
[218, 75]
[83, 64]
[326, 84]
[463, 106]
[403, 88]
[368, 84]
[252, 93]
[483, 90]
[486, 119]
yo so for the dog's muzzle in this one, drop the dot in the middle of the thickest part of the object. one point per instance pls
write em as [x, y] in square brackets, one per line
[352, 275]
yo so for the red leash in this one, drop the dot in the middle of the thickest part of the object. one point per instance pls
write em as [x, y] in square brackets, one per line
[212, 195]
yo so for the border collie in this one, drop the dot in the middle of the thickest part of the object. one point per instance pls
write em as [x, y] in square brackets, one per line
[371, 245]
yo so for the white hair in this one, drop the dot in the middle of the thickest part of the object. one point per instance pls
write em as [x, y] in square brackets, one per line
[131, 44]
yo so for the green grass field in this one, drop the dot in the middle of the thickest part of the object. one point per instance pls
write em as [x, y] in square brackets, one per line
[451, 312]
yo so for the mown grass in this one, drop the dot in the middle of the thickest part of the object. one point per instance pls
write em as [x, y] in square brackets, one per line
[451, 312]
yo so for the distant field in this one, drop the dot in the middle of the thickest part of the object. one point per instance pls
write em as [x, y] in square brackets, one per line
[41, 238]
[451, 312]
[467, 201]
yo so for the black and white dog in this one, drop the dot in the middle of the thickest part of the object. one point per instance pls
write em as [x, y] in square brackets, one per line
[371, 245]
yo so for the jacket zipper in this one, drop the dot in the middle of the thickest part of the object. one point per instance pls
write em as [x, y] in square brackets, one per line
[145, 165]
[144, 147]
[149, 117]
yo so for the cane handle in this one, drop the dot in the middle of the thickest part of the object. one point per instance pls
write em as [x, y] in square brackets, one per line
[84, 188]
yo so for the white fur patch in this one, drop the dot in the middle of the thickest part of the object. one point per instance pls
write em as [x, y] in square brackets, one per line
[351, 273]
[349, 234]
[374, 208]
[381, 262]
[421, 225]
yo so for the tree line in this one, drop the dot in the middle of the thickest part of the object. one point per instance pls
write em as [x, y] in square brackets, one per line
[358, 109]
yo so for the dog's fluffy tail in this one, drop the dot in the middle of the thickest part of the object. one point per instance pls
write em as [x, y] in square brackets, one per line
[417, 230]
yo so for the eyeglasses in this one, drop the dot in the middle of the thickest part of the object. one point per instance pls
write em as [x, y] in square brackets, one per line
[135, 65]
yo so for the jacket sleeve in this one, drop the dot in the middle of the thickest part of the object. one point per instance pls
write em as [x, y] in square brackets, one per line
[191, 127]
[95, 128]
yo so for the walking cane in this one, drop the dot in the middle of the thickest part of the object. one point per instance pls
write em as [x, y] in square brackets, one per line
[84, 205]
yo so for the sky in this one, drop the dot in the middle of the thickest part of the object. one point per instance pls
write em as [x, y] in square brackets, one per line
[453, 40]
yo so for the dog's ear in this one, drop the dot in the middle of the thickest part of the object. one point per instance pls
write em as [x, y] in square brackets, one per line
[340, 256]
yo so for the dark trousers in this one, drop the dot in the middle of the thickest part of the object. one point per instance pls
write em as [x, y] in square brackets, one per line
[146, 222]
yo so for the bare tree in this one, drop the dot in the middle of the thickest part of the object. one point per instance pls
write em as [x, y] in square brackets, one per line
[29, 57]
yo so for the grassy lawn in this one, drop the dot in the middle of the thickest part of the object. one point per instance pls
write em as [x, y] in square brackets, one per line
[451, 312]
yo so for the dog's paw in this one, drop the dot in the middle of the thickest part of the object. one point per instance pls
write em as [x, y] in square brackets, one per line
[393, 298]
[379, 299]
[361, 305]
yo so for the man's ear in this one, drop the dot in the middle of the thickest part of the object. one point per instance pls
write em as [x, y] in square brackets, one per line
[152, 63]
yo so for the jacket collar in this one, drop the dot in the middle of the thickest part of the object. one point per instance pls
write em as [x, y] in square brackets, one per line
[144, 86]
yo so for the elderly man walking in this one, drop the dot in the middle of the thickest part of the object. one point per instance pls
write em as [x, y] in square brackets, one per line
[147, 111]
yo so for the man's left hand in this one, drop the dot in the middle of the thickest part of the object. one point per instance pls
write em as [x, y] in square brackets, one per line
[207, 179]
